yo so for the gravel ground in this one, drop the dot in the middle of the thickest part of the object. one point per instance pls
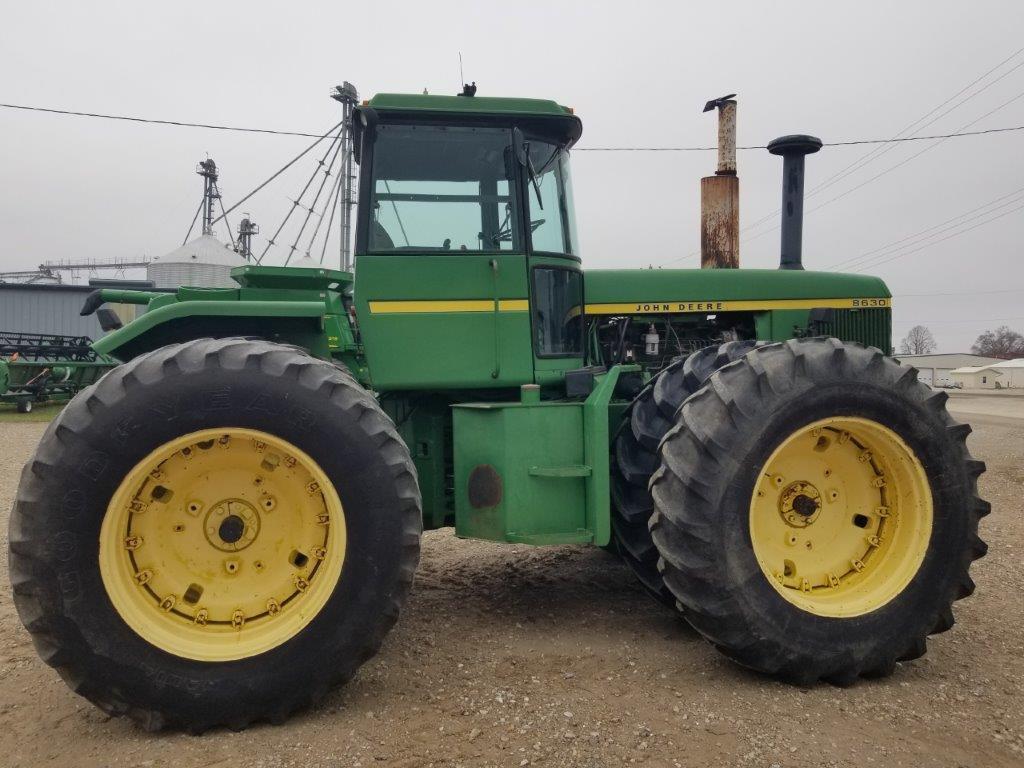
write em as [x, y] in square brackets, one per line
[509, 655]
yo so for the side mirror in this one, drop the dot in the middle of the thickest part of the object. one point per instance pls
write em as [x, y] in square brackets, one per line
[109, 321]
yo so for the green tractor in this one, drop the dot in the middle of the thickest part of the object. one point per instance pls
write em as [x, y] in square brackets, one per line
[226, 525]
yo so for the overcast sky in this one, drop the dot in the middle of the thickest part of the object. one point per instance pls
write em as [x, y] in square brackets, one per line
[637, 73]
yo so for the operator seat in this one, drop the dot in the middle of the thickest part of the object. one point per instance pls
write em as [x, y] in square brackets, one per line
[380, 240]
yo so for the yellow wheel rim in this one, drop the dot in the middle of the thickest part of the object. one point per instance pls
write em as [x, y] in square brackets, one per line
[222, 544]
[841, 517]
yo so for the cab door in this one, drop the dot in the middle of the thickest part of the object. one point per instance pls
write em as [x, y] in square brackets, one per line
[442, 295]
[556, 278]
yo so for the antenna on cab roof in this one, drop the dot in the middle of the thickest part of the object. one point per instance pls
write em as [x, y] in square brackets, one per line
[468, 89]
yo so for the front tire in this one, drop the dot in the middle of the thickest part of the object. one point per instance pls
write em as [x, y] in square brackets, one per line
[816, 511]
[215, 533]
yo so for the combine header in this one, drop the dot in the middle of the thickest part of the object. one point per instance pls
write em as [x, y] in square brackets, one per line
[227, 524]
[39, 368]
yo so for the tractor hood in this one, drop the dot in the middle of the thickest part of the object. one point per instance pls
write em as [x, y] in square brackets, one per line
[641, 291]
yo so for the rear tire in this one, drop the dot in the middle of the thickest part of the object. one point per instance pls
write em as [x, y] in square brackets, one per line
[24, 405]
[152, 661]
[725, 511]
[635, 456]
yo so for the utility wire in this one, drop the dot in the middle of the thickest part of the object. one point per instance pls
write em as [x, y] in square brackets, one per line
[274, 132]
[881, 149]
[281, 170]
[901, 254]
[891, 168]
[316, 199]
[296, 202]
[176, 123]
[940, 227]
[903, 162]
[854, 142]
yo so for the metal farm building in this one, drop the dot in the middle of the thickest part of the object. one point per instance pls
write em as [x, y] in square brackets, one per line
[42, 308]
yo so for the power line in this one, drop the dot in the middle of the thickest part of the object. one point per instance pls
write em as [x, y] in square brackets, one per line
[941, 226]
[853, 142]
[901, 254]
[880, 150]
[274, 132]
[152, 121]
[903, 162]
[279, 171]
[891, 168]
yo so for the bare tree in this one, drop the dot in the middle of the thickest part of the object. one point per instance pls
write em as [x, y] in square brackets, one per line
[1002, 342]
[918, 341]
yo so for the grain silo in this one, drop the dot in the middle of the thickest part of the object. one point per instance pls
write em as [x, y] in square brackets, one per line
[204, 262]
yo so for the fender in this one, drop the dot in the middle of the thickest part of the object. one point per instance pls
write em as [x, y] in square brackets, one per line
[168, 321]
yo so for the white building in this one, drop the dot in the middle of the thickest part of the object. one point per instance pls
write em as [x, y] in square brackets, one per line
[936, 370]
[1006, 374]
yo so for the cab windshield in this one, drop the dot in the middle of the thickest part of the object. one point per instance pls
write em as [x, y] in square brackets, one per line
[443, 188]
[453, 188]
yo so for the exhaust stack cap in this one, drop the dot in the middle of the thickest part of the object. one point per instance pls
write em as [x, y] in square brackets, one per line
[793, 149]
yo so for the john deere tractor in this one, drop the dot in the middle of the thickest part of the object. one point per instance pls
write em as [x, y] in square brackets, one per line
[226, 525]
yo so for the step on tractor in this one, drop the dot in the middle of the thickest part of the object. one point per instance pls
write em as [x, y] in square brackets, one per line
[228, 523]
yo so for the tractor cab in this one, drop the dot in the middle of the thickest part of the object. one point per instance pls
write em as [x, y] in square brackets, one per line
[466, 249]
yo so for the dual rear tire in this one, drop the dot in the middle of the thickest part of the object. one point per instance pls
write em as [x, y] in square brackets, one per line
[814, 508]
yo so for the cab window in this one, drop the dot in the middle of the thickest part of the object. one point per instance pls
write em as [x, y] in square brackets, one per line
[443, 188]
[557, 312]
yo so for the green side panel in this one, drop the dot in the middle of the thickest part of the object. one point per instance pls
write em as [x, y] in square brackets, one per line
[645, 285]
[786, 324]
[481, 105]
[132, 336]
[449, 345]
[520, 473]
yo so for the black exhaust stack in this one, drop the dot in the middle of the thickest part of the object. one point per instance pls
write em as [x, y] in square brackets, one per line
[793, 149]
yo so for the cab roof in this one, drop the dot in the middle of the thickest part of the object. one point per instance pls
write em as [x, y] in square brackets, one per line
[490, 105]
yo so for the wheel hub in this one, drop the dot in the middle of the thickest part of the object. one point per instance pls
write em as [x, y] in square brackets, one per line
[800, 504]
[222, 544]
[232, 525]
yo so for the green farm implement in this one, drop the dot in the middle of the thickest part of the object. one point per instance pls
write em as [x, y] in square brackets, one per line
[227, 524]
[41, 368]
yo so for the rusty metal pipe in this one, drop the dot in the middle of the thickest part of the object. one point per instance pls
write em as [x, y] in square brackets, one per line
[793, 150]
[726, 138]
[720, 196]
